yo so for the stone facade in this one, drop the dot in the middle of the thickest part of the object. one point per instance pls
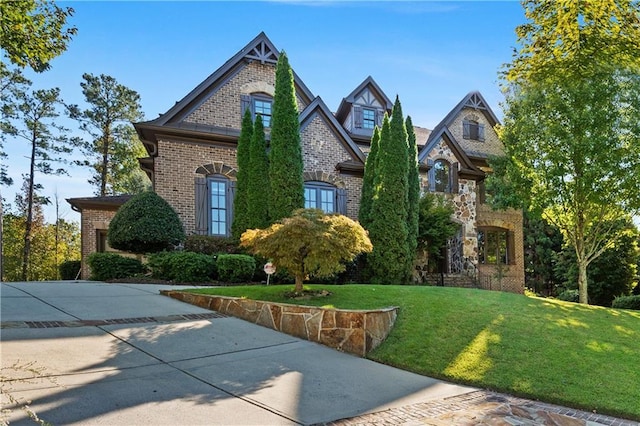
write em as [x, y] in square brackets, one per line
[197, 139]
[355, 332]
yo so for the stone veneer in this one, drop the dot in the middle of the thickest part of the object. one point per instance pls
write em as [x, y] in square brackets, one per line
[355, 332]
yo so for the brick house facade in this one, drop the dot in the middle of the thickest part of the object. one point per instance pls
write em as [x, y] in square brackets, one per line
[192, 163]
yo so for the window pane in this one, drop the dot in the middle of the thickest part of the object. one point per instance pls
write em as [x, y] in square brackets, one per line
[327, 197]
[368, 118]
[218, 207]
[263, 108]
[310, 198]
[441, 176]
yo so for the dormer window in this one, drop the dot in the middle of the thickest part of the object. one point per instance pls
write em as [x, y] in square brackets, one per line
[368, 118]
[473, 130]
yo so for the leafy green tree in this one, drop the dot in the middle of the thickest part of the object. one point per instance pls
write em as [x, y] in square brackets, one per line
[145, 224]
[33, 32]
[390, 260]
[113, 149]
[434, 224]
[285, 157]
[310, 243]
[368, 180]
[572, 122]
[35, 122]
[258, 185]
[240, 207]
[413, 190]
[613, 273]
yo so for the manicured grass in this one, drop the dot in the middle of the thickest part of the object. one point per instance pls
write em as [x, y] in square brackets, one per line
[586, 357]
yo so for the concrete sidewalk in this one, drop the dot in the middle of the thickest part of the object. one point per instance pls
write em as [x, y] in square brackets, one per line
[97, 353]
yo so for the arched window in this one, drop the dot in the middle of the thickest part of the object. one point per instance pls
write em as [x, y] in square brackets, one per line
[214, 205]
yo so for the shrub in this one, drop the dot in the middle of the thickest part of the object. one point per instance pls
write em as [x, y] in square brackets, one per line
[69, 269]
[207, 244]
[627, 302]
[145, 224]
[569, 296]
[235, 268]
[108, 266]
[182, 266]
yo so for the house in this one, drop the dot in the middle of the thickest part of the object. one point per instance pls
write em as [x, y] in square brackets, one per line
[192, 164]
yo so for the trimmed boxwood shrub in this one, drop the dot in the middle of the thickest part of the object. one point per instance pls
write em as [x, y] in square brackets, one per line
[569, 296]
[182, 266]
[627, 302]
[108, 266]
[235, 268]
[145, 224]
[208, 244]
[69, 269]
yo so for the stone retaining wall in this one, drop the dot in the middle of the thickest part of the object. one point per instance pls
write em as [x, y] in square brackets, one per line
[355, 332]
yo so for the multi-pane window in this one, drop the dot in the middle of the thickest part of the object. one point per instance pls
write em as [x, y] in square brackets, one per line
[262, 107]
[218, 210]
[318, 195]
[442, 176]
[493, 247]
[368, 118]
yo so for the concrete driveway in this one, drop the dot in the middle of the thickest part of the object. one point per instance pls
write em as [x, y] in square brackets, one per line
[121, 354]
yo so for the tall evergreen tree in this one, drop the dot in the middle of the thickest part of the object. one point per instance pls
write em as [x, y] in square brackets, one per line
[390, 261]
[413, 182]
[285, 166]
[258, 180]
[240, 213]
[114, 149]
[367, 180]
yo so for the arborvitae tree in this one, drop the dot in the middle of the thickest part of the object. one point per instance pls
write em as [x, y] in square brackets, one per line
[367, 180]
[258, 183]
[413, 189]
[285, 166]
[240, 213]
[388, 231]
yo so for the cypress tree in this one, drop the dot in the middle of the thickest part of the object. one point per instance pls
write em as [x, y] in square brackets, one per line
[258, 182]
[367, 180]
[388, 230]
[285, 166]
[240, 218]
[413, 191]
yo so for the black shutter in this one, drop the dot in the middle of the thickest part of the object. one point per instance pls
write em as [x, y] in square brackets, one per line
[357, 117]
[202, 202]
[466, 129]
[481, 132]
[341, 201]
[454, 178]
[245, 103]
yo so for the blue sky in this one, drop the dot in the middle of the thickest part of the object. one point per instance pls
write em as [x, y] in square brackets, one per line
[430, 54]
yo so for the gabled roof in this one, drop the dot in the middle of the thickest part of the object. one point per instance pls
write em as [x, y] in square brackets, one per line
[259, 49]
[318, 106]
[466, 166]
[345, 105]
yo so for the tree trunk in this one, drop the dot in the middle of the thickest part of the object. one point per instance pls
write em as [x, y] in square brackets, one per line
[582, 282]
[27, 229]
[299, 281]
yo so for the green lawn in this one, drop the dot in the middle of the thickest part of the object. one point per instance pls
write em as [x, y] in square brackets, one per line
[586, 357]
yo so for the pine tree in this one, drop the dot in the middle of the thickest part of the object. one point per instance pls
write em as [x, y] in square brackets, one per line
[258, 180]
[388, 230]
[240, 212]
[413, 191]
[367, 181]
[286, 166]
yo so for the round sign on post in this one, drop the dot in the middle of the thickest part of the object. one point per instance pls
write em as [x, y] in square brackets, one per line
[269, 268]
